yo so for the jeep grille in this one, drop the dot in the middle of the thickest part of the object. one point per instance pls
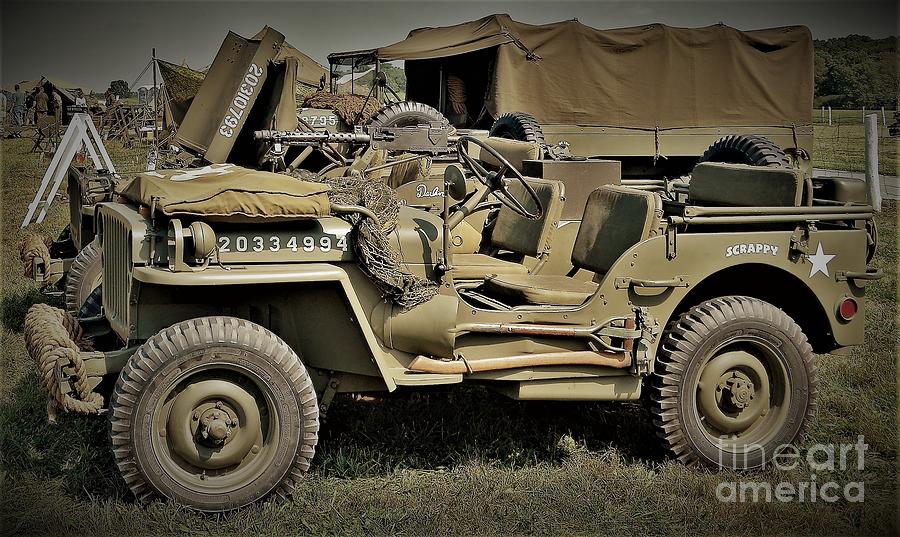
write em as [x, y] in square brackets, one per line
[116, 271]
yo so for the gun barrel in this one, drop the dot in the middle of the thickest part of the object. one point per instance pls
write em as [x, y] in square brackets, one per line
[312, 138]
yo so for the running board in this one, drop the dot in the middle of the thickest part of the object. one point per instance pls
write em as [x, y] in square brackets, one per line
[425, 364]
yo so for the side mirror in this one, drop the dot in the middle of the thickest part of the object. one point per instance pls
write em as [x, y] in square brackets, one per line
[380, 79]
[455, 182]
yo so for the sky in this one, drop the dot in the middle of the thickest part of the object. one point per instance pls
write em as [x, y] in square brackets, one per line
[92, 43]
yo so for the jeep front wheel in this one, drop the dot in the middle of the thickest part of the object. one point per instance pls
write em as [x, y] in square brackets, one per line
[214, 413]
[735, 379]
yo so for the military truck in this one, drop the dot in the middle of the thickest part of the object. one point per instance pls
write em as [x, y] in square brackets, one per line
[238, 303]
[653, 97]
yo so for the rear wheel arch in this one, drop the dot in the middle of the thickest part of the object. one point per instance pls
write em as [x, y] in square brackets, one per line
[769, 284]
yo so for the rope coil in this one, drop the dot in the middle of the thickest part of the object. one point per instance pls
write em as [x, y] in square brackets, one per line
[33, 247]
[54, 337]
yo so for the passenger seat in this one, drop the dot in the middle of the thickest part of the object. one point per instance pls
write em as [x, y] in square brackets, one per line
[615, 219]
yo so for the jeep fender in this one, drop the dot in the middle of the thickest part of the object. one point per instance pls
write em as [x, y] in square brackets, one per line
[274, 274]
[789, 279]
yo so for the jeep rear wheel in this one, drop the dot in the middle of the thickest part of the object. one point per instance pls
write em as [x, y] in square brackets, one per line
[84, 276]
[214, 413]
[735, 378]
[746, 149]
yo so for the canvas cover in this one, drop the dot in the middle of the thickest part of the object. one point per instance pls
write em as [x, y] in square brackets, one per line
[226, 191]
[251, 85]
[647, 76]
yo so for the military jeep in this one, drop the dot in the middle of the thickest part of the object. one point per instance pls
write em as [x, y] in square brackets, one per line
[237, 303]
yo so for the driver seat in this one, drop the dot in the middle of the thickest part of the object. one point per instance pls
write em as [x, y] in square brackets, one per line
[615, 219]
[516, 233]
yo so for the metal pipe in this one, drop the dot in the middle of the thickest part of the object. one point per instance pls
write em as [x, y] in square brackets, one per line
[693, 210]
[392, 163]
[424, 364]
[766, 219]
[347, 209]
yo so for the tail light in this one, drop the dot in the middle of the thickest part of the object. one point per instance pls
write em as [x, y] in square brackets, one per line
[847, 308]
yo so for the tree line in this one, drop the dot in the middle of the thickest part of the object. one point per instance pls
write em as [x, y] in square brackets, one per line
[856, 71]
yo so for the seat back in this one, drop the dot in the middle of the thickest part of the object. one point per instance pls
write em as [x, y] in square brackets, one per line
[514, 151]
[741, 185]
[615, 219]
[530, 237]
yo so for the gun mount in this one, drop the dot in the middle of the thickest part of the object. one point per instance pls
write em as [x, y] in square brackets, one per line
[431, 139]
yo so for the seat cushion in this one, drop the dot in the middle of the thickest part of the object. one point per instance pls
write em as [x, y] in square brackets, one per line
[516, 289]
[742, 185]
[478, 266]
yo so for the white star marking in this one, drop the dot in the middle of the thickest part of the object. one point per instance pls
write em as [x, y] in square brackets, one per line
[212, 169]
[819, 262]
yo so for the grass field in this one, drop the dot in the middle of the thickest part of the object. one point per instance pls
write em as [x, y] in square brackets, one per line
[841, 145]
[449, 461]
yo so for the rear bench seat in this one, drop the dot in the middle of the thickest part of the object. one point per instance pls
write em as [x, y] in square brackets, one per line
[718, 184]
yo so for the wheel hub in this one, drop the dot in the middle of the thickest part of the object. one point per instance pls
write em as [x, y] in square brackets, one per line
[733, 392]
[214, 424]
[739, 389]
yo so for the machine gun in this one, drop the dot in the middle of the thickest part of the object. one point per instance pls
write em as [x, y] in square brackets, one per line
[433, 139]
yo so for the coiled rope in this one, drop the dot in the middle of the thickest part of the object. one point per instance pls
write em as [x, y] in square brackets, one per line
[54, 337]
[32, 247]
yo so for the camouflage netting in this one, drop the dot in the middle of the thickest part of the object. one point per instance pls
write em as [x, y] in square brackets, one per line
[372, 245]
[181, 83]
[345, 105]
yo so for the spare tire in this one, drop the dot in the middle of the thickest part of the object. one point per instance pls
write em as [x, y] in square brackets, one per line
[407, 114]
[518, 126]
[746, 149]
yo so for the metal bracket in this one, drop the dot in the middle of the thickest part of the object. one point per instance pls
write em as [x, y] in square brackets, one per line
[650, 329]
[799, 242]
[328, 396]
[671, 235]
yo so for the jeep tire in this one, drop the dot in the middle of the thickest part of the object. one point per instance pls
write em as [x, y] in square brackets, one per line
[735, 379]
[214, 413]
[746, 149]
[84, 276]
[518, 126]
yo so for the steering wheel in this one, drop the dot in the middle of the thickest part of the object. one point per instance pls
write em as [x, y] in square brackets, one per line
[496, 181]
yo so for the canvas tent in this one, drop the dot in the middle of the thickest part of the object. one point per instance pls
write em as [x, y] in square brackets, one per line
[649, 77]
[66, 90]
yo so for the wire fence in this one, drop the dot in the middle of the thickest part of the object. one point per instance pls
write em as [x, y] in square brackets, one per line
[840, 141]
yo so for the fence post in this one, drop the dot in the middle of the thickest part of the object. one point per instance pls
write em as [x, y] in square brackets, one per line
[864, 114]
[883, 118]
[829, 115]
[873, 180]
[822, 115]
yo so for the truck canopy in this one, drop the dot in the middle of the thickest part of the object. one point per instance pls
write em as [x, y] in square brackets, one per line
[652, 76]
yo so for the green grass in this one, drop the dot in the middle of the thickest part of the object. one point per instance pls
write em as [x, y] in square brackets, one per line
[841, 145]
[448, 461]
